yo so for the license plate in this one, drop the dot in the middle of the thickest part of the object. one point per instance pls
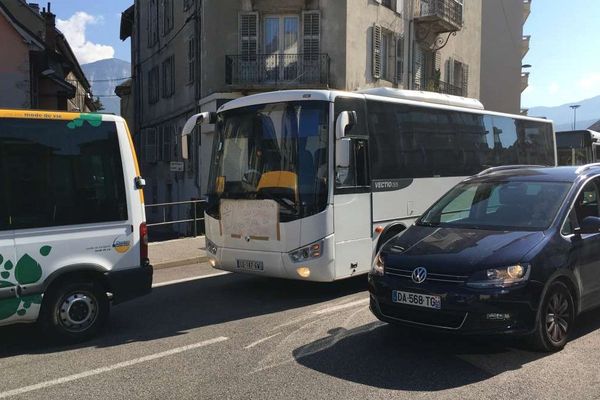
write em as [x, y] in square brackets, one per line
[416, 299]
[250, 265]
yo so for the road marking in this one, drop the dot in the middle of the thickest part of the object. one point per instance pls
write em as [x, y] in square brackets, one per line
[121, 365]
[251, 345]
[184, 280]
[341, 307]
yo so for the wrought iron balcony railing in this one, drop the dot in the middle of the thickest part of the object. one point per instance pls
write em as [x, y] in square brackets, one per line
[443, 15]
[264, 70]
[434, 85]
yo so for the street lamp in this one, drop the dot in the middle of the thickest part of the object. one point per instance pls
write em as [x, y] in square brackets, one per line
[574, 107]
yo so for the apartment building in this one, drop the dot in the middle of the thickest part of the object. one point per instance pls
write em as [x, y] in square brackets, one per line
[191, 56]
[503, 47]
[39, 69]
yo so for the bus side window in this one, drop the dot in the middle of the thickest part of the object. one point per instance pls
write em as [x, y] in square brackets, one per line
[357, 174]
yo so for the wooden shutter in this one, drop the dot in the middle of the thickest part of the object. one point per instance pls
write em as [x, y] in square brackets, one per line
[400, 60]
[418, 67]
[450, 71]
[248, 35]
[377, 41]
[311, 35]
[465, 80]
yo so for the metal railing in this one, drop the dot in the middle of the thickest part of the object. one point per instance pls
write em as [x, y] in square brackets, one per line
[438, 86]
[179, 212]
[445, 10]
[277, 69]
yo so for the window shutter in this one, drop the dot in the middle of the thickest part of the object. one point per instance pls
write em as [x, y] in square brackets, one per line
[438, 61]
[450, 71]
[377, 39]
[465, 80]
[400, 60]
[248, 35]
[418, 68]
[311, 35]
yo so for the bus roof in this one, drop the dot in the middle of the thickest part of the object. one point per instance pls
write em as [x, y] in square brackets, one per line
[593, 134]
[414, 98]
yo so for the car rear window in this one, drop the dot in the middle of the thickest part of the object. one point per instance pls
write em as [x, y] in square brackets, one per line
[57, 172]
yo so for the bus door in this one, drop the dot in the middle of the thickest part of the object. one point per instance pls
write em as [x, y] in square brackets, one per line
[352, 210]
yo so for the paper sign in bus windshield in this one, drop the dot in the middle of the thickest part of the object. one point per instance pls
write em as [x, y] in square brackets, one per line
[254, 219]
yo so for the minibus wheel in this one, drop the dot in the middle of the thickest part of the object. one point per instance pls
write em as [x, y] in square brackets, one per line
[74, 311]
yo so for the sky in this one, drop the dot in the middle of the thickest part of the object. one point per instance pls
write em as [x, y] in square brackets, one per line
[564, 49]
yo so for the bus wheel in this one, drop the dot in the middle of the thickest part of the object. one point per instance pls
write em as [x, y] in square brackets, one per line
[74, 311]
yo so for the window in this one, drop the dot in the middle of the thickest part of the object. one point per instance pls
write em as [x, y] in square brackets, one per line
[168, 77]
[166, 143]
[150, 145]
[191, 57]
[411, 142]
[153, 89]
[400, 60]
[55, 175]
[387, 55]
[167, 8]
[152, 23]
[457, 74]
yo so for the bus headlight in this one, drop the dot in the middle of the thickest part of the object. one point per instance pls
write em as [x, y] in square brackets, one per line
[307, 253]
[211, 247]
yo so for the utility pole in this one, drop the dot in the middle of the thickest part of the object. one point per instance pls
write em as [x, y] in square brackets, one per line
[574, 107]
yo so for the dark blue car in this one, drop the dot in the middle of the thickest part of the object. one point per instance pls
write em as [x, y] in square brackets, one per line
[513, 250]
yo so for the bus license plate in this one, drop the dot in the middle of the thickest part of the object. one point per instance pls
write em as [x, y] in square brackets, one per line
[250, 265]
[416, 299]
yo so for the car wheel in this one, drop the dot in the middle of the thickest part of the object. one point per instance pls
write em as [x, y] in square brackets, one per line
[74, 311]
[555, 319]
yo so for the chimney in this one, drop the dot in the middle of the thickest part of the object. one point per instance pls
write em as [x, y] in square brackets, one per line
[50, 28]
[35, 7]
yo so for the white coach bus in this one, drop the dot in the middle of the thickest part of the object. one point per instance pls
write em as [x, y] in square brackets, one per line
[306, 184]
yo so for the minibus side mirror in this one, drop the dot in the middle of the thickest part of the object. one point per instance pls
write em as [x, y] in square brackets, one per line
[345, 121]
[190, 124]
[342, 153]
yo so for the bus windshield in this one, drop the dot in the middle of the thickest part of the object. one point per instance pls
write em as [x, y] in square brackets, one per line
[274, 151]
[574, 148]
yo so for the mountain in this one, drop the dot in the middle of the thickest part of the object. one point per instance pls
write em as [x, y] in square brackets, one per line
[104, 76]
[587, 114]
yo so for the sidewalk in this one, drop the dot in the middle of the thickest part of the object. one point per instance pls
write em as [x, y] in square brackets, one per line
[174, 253]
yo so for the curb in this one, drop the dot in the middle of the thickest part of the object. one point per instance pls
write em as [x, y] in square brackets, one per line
[179, 263]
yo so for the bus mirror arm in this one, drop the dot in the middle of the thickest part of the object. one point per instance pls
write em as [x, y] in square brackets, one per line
[190, 124]
[345, 121]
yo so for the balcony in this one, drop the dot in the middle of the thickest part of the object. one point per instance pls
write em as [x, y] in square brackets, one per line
[524, 80]
[276, 71]
[434, 85]
[440, 15]
[525, 45]
[526, 10]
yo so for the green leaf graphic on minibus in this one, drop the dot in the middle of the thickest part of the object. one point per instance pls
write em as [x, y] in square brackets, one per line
[27, 270]
[45, 250]
[9, 307]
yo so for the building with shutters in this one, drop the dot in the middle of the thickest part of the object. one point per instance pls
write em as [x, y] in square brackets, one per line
[190, 56]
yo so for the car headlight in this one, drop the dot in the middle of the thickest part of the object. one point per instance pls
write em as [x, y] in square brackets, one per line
[307, 253]
[211, 247]
[500, 277]
[378, 267]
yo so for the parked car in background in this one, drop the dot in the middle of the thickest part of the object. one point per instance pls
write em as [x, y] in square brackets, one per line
[512, 250]
[72, 220]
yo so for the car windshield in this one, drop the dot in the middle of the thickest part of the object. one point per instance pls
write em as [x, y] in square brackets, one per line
[507, 206]
[274, 151]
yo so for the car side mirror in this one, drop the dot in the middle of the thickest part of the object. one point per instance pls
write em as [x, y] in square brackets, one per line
[589, 225]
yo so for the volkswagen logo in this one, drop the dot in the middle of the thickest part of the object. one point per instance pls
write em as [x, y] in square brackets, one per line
[419, 275]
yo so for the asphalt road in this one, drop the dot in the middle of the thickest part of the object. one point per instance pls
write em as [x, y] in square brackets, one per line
[238, 337]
